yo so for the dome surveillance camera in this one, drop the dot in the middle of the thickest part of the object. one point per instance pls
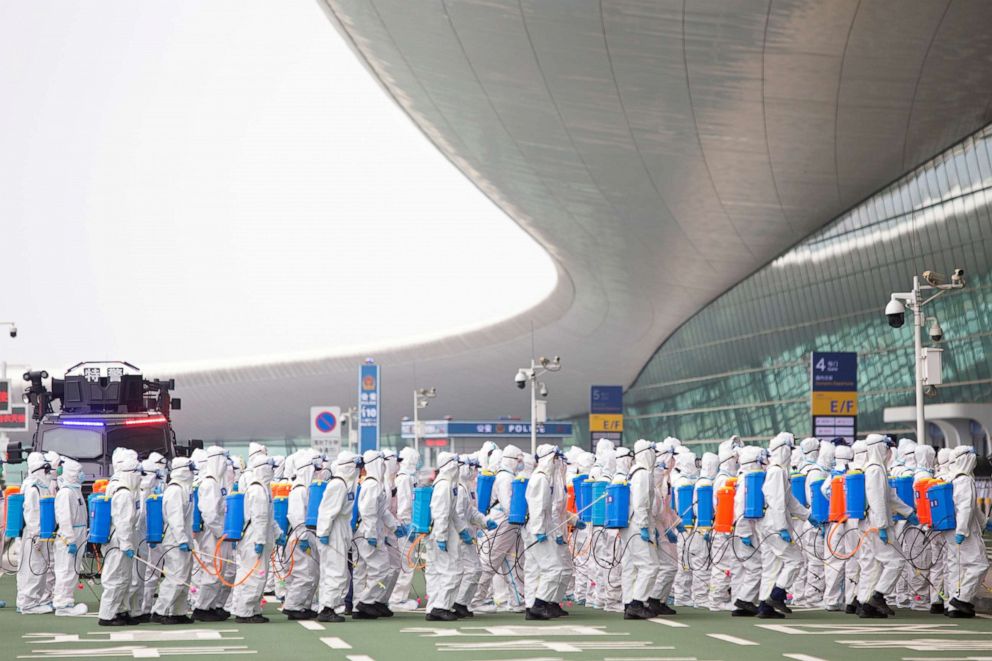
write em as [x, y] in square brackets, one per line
[936, 332]
[896, 313]
[543, 392]
[521, 379]
[13, 331]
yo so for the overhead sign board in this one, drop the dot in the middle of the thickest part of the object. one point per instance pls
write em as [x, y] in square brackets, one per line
[368, 407]
[606, 413]
[16, 419]
[486, 429]
[325, 429]
[4, 396]
[834, 394]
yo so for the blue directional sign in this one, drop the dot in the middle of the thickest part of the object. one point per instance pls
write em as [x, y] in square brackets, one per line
[368, 407]
[606, 399]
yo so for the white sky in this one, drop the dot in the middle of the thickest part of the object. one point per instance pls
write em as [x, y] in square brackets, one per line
[186, 182]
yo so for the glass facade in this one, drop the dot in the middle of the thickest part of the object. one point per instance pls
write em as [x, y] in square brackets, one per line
[741, 365]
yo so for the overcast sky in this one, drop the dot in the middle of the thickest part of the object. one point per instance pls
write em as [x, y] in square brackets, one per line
[185, 182]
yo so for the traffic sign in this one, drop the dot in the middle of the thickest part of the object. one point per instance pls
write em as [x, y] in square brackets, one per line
[325, 429]
[368, 407]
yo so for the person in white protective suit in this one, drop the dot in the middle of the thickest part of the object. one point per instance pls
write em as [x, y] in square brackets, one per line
[468, 558]
[640, 557]
[966, 558]
[257, 540]
[374, 575]
[608, 589]
[685, 473]
[406, 482]
[301, 582]
[334, 535]
[172, 605]
[725, 564]
[886, 561]
[908, 585]
[814, 532]
[144, 580]
[803, 461]
[499, 575]
[665, 521]
[71, 518]
[118, 552]
[928, 552]
[861, 563]
[698, 543]
[561, 518]
[746, 541]
[209, 598]
[448, 535]
[243, 476]
[781, 558]
[582, 540]
[34, 596]
[836, 593]
[544, 571]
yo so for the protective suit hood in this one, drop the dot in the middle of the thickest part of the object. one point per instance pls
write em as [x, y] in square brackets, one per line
[907, 452]
[216, 463]
[546, 454]
[810, 447]
[925, 457]
[346, 467]
[825, 459]
[685, 464]
[409, 459]
[375, 465]
[511, 458]
[710, 465]
[120, 456]
[780, 449]
[182, 472]
[585, 462]
[254, 449]
[529, 463]
[392, 463]
[878, 449]
[963, 460]
[39, 469]
[72, 474]
[603, 446]
[860, 455]
[129, 472]
[303, 467]
[750, 458]
[728, 459]
[486, 457]
[644, 454]
[625, 460]
[842, 457]
[447, 466]
[262, 468]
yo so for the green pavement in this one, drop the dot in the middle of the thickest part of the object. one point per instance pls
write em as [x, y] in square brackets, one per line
[587, 634]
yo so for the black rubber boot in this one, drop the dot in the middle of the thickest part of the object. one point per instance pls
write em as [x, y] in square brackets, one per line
[254, 619]
[658, 607]
[441, 615]
[636, 610]
[556, 610]
[462, 611]
[539, 611]
[877, 602]
[966, 606]
[767, 612]
[866, 612]
[744, 609]
[221, 614]
[382, 609]
[206, 616]
[937, 608]
[365, 612]
[852, 608]
[777, 600]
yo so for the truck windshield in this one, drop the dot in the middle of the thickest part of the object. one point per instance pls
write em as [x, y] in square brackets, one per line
[73, 442]
[142, 440]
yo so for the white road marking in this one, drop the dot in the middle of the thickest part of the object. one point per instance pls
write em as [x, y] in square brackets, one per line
[146, 636]
[311, 625]
[802, 657]
[147, 653]
[335, 643]
[731, 639]
[858, 629]
[513, 630]
[922, 644]
[135, 652]
[533, 645]
[669, 623]
[359, 657]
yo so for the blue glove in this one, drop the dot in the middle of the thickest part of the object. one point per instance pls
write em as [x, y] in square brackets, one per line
[959, 538]
[401, 531]
[443, 545]
[812, 520]
[304, 545]
[646, 535]
[184, 547]
[706, 536]
[671, 537]
[259, 549]
[491, 525]
[541, 538]
[580, 524]
[988, 527]
[680, 528]
[412, 536]
[129, 553]
[883, 534]
[281, 540]
[324, 539]
[465, 536]
[913, 520]
[72, 549]
[372, 541]
[746, 541]
[786, 537]
[559, 540]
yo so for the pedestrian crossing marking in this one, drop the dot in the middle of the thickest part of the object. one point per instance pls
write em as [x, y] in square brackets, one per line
[311, 625]
[859, 629]
[669, 623]
[803, 657]
[731, 639]
[335, 643]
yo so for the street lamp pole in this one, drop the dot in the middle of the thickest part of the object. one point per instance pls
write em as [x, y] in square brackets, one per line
[528, 377]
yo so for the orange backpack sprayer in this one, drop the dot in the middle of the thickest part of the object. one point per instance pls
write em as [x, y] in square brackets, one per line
[724, 521]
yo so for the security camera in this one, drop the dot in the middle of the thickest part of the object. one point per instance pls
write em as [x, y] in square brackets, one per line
[957, 278]
[13, 331]
[521, 379]
[936, 332]
[896, 313]
[543, 392]
[433, 392]
[933, 278]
